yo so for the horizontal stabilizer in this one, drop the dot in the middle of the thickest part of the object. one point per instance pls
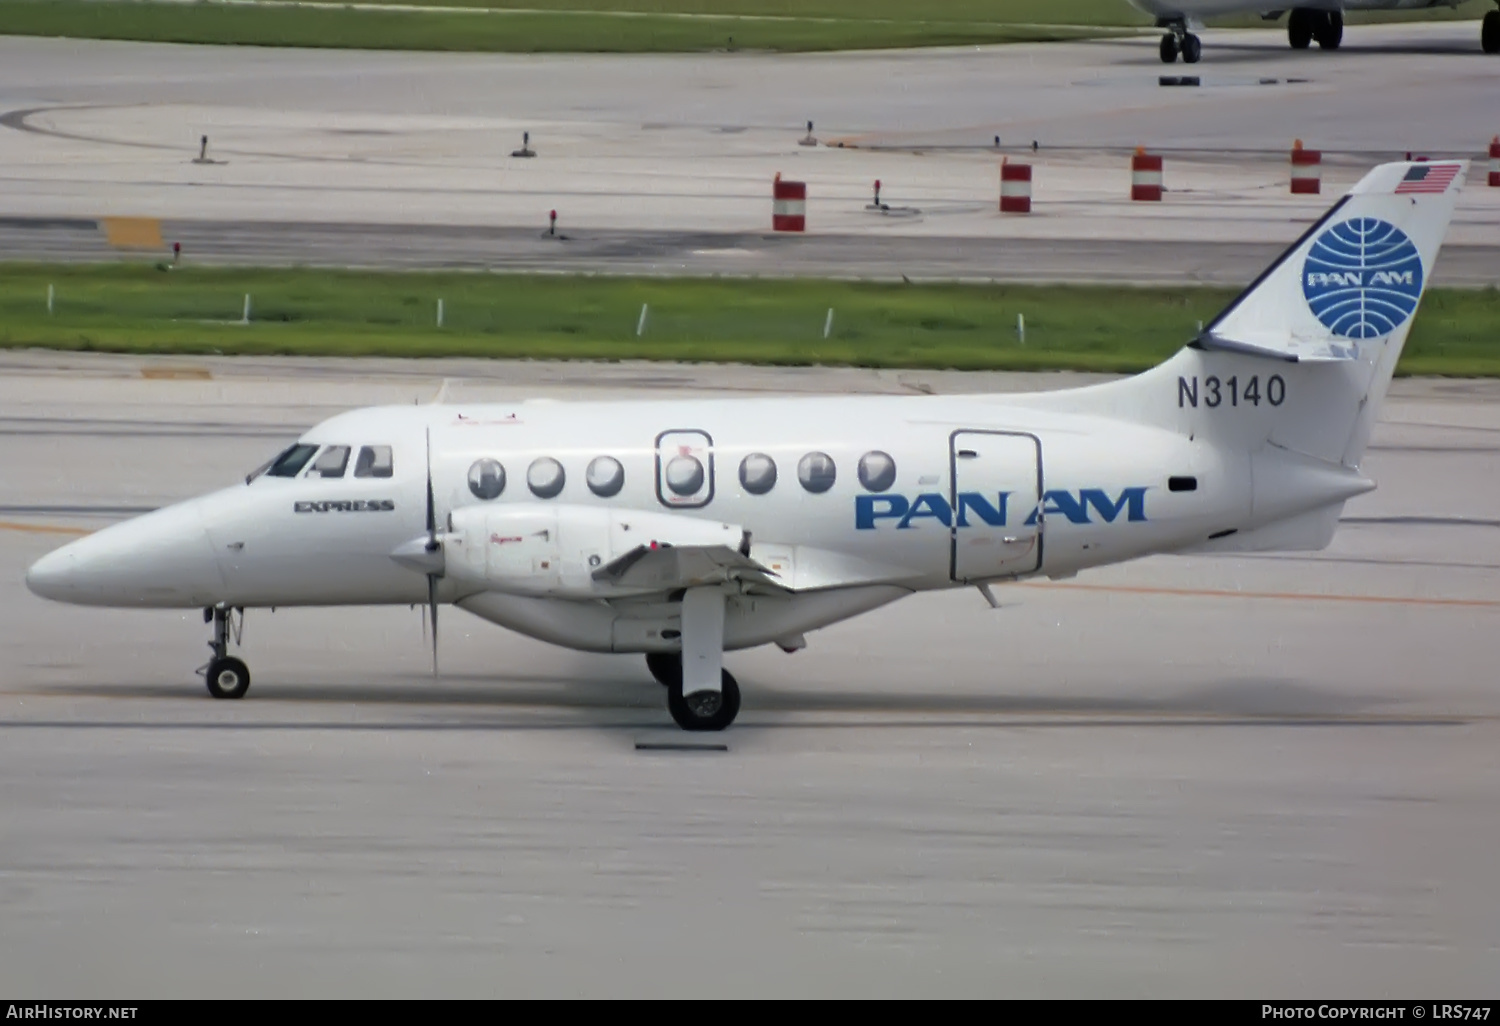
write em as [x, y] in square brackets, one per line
[1280, 346]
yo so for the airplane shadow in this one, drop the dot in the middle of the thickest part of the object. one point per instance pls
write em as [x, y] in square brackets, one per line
[488, 702]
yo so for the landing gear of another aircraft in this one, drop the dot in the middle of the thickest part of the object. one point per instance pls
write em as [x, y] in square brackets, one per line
[1489, 32]
[1180, 40]
[705, 710]
[1304, 25]
[226, 676]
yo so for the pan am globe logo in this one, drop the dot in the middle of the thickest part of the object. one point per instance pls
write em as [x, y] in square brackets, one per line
[1362, 278]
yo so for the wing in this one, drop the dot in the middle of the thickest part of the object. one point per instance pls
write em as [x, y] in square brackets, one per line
[668, 567]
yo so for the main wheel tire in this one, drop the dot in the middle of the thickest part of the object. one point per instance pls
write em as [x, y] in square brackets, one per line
[666, 667]
[1330, 30]
[1169, 49]
[1299, 28]
[1192, 49]
[1489, 32]
[228, 678]
[705, 710]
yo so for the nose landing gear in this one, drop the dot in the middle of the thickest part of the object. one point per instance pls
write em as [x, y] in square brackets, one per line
[226, 676]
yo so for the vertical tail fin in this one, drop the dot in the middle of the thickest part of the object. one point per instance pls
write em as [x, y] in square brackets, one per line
[1345, 294]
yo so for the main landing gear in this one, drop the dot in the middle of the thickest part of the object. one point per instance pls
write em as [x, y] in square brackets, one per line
[703, 710]
[1304, 25]
[1489, 31]
[226, 676]
[1179, 40]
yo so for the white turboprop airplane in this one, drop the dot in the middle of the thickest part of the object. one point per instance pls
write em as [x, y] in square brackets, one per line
[684, 529]
[1320, 20]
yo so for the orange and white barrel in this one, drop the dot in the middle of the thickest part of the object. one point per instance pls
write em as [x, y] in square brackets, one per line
[1145, 176]
[1495, 161]
[1015, 188]
[1307, 170]
[788, 206]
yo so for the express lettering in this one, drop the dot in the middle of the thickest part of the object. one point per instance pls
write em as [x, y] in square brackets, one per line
[974, 509]
[346, 506]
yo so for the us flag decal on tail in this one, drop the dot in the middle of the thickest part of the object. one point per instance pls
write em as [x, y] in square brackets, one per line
[1428, 178]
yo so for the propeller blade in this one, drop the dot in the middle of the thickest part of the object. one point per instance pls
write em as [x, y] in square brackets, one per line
[432, 605]
[431, 504]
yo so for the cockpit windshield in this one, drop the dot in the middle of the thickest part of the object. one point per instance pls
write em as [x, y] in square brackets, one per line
[374, 461]
[289, 463]
[332, 462]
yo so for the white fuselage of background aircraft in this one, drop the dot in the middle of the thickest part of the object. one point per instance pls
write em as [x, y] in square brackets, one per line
[1308, 21]
[1217, 8]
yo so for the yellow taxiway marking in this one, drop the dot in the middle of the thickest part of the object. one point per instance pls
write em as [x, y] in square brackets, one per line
[1122, 589]
[10, 525]
[176, 374]
[132, 232]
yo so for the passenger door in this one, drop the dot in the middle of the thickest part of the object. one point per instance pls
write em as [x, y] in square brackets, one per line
[996, 499]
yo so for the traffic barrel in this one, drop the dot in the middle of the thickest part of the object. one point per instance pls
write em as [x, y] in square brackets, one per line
[1495, 161]
[1145, 175]
[1015, 188]
[788, 206]
[1307, 170]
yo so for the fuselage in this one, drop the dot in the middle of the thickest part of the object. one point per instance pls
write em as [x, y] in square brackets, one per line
[920, 492]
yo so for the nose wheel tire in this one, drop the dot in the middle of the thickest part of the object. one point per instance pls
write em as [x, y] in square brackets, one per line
[1489, 32]
[705, 710]
[1192, 49]
[1169, 49]
[227, 678]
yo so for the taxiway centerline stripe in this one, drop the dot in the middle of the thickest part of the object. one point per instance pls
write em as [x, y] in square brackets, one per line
[1121, 589]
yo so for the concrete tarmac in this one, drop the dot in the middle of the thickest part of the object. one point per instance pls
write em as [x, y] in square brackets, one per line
[664, 164]
[1180, 777]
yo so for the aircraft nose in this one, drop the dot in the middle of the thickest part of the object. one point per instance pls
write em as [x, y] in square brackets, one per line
[54, 575]
[162, 559]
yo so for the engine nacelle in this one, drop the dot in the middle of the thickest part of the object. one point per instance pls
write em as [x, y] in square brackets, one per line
[554, 549]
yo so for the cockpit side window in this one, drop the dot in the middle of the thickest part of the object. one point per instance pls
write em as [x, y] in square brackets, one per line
[291, 462]
[374, 461]
[331, 462]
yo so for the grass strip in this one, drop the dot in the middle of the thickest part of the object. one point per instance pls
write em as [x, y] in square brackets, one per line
[137, 308]
[605, 26]
[528, 31]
